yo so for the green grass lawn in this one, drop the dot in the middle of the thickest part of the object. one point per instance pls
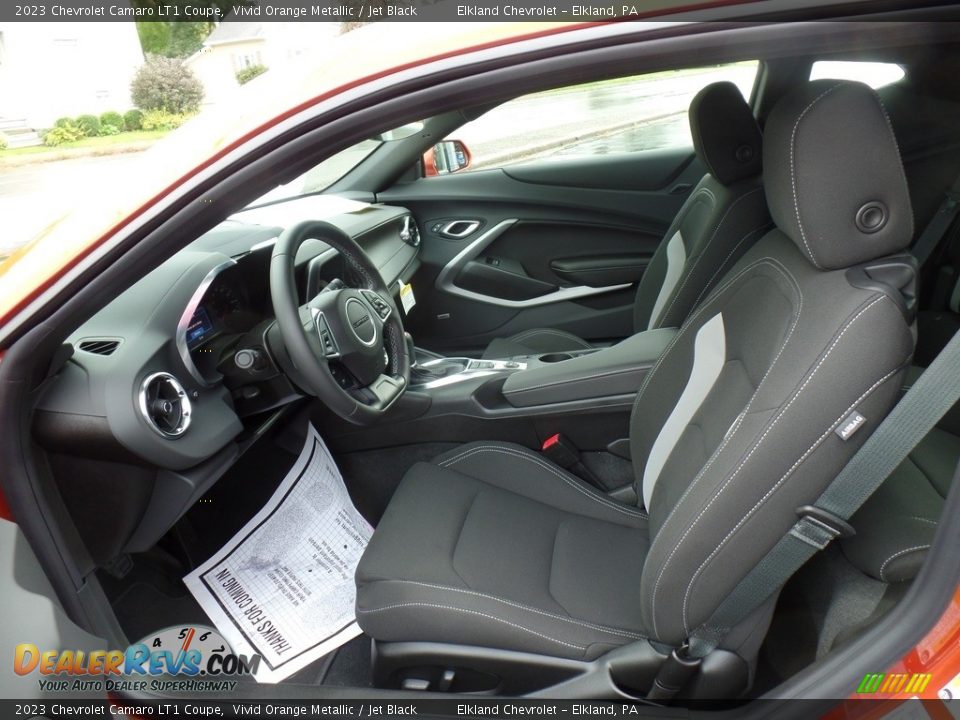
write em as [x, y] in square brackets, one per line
[105, 142]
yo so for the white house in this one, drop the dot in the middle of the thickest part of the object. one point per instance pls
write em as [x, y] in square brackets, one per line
[235, 45]
[54, 69]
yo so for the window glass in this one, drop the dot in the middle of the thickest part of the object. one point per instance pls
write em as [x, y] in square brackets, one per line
[874, 74]
[645, 112]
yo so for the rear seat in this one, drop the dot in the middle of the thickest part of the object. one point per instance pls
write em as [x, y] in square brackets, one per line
[895, 527]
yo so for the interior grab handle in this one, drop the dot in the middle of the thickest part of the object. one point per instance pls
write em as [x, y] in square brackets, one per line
[459, 228]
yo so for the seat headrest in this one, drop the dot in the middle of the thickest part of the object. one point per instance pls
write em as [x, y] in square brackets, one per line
[725, 133]
[833, 175]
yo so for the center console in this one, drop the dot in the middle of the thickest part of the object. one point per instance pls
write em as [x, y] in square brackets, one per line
[585, 394]
[550, 378]
[431, 371]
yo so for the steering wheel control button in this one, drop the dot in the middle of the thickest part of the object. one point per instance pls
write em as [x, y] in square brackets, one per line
[378, 304]
[330, 348]
[358, 317]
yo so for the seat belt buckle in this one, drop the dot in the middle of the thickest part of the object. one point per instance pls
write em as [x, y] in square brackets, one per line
[560, 451]
[826, 520]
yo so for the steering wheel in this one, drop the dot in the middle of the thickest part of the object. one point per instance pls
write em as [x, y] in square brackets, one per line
[346, 345]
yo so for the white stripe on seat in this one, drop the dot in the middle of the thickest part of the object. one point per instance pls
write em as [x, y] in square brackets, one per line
[676, 259]
[709, 356]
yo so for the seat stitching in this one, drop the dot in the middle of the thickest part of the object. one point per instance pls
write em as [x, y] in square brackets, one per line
[793, 172]
[571, 381]
[693, 318]
[549, 331]
[693, 266]
[758, 442]
[755, 446]
[772, 490]
[472, 612]
[603, 628]
[738, 422]
[534, 459]
[922, 519]
[706, 288]
[898, 554]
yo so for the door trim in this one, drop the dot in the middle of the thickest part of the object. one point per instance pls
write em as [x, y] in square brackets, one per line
[446, 277]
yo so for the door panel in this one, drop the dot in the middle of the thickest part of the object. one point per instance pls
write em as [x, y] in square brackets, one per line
[553, 243]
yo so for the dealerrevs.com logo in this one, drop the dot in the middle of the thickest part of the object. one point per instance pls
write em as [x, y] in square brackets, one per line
[181, 658]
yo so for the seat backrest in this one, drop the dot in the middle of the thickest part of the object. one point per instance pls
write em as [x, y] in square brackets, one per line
[745, 418]
[723, 216]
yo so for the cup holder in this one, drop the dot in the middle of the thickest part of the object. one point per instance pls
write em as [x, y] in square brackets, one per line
[555, 357]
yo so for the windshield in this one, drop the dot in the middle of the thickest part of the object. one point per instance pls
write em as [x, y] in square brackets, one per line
[58, 212]
[323, 175]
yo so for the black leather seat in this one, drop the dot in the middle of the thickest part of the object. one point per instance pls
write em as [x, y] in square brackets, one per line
[723, 216]
[492, 546]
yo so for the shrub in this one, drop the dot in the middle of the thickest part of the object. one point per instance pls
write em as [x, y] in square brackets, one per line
[64, 122]
[163, 120]
[112, 118]
[166, 84]
[3, 141]
[132, 120]
[108, 129]
[89, 125]
[62, 134]
[249, 73]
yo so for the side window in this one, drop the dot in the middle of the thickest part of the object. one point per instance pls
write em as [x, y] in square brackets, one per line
[874, 74]
[643, 112]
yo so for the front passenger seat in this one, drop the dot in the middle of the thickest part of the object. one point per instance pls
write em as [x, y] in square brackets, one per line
[724, 215]
[736, 427]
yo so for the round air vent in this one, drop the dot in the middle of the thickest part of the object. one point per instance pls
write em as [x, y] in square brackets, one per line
[409, 232]
[164, 405]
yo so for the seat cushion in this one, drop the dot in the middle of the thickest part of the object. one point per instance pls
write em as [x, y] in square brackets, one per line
[896, 525]
[534, 342]
[492, 545]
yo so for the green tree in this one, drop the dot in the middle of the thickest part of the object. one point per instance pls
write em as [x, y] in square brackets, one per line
[173, 39]
[154, 37]
[166, 84]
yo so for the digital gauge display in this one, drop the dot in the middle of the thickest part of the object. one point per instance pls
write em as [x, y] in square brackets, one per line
[199, 328]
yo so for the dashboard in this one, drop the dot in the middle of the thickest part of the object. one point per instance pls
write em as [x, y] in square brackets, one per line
[152, 380]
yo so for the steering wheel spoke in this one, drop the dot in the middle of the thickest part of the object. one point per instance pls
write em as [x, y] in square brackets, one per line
[386, 389]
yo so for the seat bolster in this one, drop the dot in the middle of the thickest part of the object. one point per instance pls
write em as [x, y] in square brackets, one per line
[522, 471]
[398, 610]
[534, 342]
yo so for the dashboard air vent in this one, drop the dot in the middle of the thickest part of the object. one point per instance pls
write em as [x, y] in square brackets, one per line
[99, 346]
[409, 232]
[164, 405]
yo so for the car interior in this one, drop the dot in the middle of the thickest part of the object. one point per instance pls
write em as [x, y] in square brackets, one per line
[626, 374]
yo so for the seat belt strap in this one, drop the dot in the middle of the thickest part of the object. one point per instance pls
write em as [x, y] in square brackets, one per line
[918, 411]
[938, 226]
